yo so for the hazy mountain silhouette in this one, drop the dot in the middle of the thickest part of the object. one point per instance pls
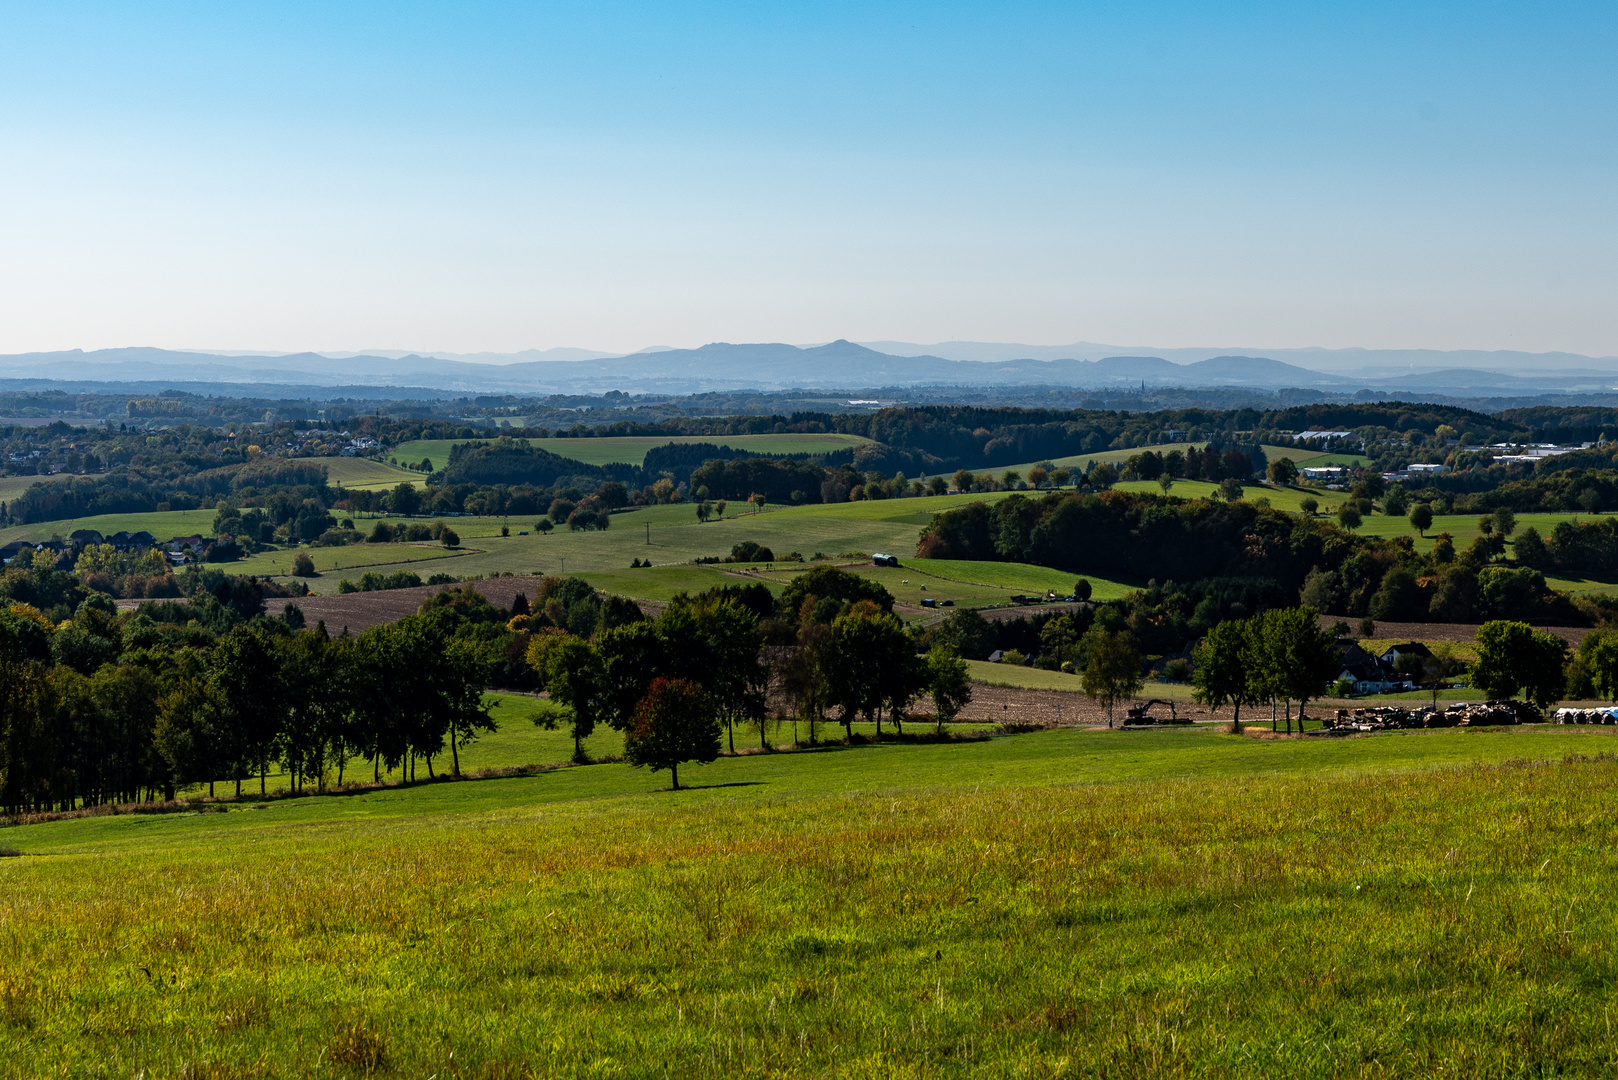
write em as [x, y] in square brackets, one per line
[837, 365]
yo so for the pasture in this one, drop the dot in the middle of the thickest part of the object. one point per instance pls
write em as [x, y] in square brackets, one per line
[1281, 498]
[11, 487]
[631, 449]
[161, 524]
[668, 536]
[1070, 902]
[1079, 462]
[364, 474]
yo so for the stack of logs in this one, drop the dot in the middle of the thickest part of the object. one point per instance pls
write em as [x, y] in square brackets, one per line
[1461, 714]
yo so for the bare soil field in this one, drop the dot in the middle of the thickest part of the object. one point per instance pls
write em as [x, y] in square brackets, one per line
[1049, 708]
[363, 610]
[1434, 631]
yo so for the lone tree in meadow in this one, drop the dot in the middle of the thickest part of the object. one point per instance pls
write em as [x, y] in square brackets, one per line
[674, 722]
[1112, 672]
[1282, 471]
[1421, 518]
[949, 682]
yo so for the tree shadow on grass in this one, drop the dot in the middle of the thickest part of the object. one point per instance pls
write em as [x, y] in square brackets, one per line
[705, 787]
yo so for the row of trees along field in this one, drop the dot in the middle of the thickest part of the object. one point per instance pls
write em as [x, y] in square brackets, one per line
[172, 706]
[1285, 655]
[107, 707]
[1282, 655]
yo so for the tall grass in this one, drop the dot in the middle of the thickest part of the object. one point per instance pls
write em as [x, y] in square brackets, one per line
[1453, 921]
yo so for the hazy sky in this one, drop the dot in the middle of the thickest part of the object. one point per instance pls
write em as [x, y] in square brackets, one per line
[467, 176]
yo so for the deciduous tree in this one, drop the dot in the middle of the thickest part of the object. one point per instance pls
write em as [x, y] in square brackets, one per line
[1421, 517]
[674, 723]
[949, 683]
[1513, 656]
[571, 670]
[1222, 668]
[1112, 671]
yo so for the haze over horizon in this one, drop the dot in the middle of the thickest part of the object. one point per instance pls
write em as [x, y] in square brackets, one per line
[493, 178]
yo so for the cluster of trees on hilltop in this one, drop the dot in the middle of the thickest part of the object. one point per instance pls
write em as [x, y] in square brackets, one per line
[1213, 462]
[1139, 536]
[57, 584]
[1569, 483]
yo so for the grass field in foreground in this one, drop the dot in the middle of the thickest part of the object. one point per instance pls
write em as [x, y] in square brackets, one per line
[1066, 903]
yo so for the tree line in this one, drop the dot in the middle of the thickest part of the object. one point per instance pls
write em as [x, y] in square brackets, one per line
[169, 707]
[1287, 557]
[120, 707]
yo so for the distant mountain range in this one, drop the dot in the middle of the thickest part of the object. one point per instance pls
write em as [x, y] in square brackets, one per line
[839, 365]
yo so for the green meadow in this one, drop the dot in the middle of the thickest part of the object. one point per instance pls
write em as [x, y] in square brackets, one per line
[668, 536]
[161, 524]
[631, 449]
[1018, 677]
[672, 534]
[13, 486]
[1072, 902]
[1016, 577]
[1281, 498]
[364, 474]
[1080, 462]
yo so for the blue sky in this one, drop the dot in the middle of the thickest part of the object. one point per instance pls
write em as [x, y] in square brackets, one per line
[496, 177]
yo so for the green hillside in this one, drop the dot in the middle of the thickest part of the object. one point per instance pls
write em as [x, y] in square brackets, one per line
[631, 449]
[1053, 903]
